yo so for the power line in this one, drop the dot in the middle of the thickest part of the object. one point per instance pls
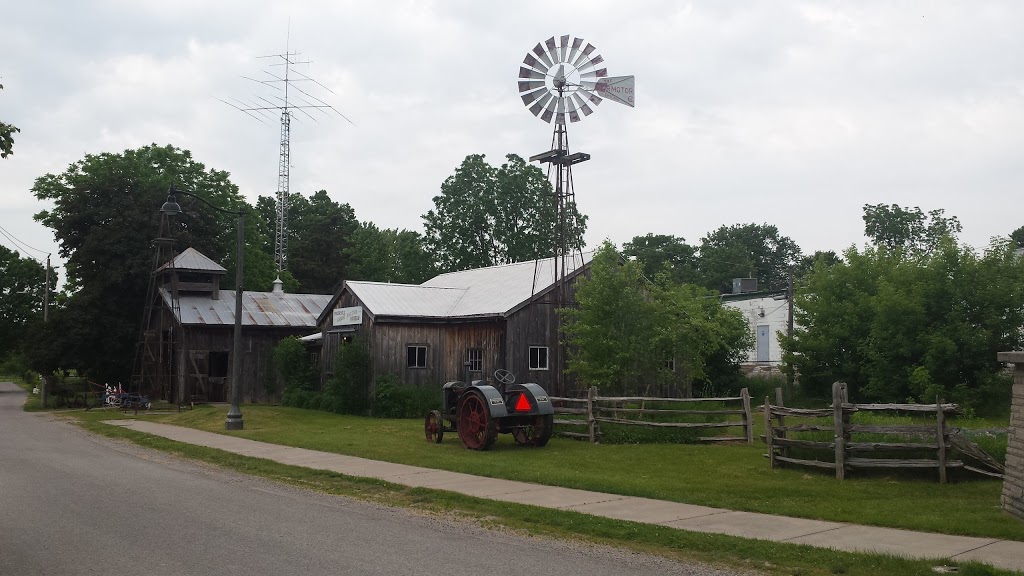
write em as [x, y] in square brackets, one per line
[12, 238]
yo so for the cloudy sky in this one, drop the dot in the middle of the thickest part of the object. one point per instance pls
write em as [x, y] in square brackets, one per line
[789, 113]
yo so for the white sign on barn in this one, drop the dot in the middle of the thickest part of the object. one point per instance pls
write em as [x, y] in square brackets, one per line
[348, 316]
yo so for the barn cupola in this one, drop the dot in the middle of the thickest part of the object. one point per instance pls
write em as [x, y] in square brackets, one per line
[191, 272]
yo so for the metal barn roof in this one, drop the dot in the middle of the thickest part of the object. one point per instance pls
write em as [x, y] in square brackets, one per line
[265, 309]
[492, 291]
[499, 289]
[192, 260]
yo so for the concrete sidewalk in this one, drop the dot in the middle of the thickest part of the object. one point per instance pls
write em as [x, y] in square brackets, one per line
[1005, 554]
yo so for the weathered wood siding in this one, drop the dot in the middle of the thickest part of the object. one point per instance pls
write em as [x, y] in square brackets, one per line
[195, 343]
[447, 346]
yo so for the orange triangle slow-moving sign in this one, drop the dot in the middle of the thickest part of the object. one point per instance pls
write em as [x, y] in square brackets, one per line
[522, 404]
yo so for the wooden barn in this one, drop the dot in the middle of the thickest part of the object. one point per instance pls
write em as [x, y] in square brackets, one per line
[188, 346]
[459, 326]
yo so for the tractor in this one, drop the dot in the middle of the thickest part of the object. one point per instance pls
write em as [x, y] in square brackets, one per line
[478, 411]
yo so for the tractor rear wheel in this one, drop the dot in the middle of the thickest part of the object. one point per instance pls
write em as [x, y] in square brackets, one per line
[537, 433]
[477, 429]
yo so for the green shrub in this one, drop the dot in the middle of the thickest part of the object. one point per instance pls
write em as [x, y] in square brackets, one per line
[392, 400]
[291, 367]
[349, 389]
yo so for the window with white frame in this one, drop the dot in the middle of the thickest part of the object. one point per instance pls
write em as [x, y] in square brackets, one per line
[417, 356]
[538, 357]
[475, 359]
[670, 364]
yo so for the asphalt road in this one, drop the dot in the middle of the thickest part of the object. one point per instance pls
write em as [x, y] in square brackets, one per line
[75, 503]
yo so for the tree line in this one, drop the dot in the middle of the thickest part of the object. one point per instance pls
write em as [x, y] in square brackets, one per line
[850, 306]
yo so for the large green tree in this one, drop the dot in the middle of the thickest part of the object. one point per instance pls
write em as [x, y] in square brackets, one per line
[629, 334]
[486, 216]
[104, 218]
[388, 255]
[7, 132]
[910, 229]
[660, 253]
[319, 235]
[746, 250]
[22, 288]
[895, 325]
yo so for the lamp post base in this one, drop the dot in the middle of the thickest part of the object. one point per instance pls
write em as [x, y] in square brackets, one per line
[234, 419]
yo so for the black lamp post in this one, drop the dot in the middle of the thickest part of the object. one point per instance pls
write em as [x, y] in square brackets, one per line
[171, 208]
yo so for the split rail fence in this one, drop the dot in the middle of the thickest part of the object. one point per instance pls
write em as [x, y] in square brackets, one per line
[850, 454]
[629, 411]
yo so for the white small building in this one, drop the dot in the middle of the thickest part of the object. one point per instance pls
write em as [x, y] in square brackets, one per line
[767, 313]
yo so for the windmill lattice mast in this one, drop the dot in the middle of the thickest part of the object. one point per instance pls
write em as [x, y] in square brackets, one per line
[290, 99]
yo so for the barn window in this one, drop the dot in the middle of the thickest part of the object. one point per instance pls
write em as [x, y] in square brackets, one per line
[538, 357]
[417, 356]
[475, 359]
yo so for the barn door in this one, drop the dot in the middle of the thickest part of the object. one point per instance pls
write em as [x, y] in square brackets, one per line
[198, 374]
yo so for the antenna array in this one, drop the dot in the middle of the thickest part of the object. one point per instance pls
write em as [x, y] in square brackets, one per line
[288, 99]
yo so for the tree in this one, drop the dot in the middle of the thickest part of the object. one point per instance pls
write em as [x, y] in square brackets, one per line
[895, 227]
[895, 325]
[321, 231]
[658, 253]
[104, 217]
[746, 250]
[825, 258]
[7, 132]
[389, 255]
[486, 216]
[630, 334]
[319, 234]
[1017, 236]
[22, 288]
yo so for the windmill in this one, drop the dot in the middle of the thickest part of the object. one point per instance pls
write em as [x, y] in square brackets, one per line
[559, 80]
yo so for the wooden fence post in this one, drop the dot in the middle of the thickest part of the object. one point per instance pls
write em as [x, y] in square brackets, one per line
[782, 419]
[837, 424]
[768, 433]
[591, 422]
[748, 416]
[940, 426]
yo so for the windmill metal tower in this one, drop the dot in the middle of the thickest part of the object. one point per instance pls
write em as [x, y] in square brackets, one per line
[289, 99]
[559, 80]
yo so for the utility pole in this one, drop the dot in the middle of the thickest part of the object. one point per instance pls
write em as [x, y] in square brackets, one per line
[789, 326]
[46, 318]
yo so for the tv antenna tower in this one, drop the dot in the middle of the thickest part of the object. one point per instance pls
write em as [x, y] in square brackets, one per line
[288, 99]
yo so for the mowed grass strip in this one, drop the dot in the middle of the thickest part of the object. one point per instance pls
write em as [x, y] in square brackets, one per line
[762, 556]
[735, 477]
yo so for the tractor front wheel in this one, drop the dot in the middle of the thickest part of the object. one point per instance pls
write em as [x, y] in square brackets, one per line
[433, 426]
[477, 429]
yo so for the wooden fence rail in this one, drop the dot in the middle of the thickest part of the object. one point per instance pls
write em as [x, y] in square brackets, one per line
[624, 410]
[847, 454]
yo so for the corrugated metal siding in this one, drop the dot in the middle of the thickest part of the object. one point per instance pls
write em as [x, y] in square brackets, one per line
[258, 308]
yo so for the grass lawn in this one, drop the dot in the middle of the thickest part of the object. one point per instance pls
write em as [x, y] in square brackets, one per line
[734, 476]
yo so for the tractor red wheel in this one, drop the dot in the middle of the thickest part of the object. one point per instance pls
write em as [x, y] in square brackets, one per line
[433, 426]
[537, 433]
[476, 427]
